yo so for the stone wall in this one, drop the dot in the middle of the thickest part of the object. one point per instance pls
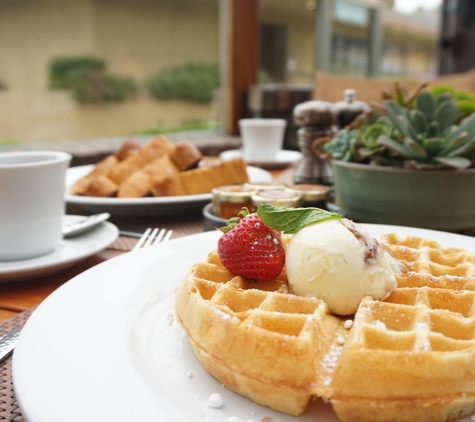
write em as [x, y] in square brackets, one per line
[41, 115]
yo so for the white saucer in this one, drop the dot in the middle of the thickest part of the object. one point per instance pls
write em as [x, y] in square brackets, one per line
[284, 158]
[69, 252]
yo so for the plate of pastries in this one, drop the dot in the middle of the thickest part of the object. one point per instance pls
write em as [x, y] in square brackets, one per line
[158, 177]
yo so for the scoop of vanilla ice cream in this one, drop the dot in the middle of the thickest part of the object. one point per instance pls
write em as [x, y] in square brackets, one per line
[338, 261]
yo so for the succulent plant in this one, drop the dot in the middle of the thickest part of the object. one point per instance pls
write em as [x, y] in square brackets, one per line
[465, 101]
[400, 94]
[466, 107]
[422, 136]
[342, 146]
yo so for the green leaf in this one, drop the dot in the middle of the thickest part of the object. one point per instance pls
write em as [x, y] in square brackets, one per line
[444, 97]
[433, 130]
[384, 120]
[464, 96]
[425, 102]
[466, 107]
[341, 146]
[463, 149]
[446, 114]
[418, 120]
[405, 118]
[371, 134]
[414, 150]
[450, 131]
[433, 145]
[234, 220]
[455, 136]
[453, 143]
[394, 112]
[346, 156]
[455, 162]
[403, 124]
[363, 152]
[291, 220]
[468, 125]
[393, 145]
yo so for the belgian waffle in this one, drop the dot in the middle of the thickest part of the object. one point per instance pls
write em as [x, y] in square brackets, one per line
[408, 358]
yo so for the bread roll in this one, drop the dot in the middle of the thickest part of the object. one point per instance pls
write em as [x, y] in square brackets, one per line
[186, 155]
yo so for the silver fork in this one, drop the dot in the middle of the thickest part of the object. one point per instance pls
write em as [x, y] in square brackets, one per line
[153, 236]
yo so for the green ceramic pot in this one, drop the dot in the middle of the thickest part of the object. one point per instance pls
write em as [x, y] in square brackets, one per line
[436, 199]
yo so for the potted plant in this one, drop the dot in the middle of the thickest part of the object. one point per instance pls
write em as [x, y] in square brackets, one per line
[407, 162]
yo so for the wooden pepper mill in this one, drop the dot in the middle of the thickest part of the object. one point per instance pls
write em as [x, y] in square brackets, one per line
[316, 120]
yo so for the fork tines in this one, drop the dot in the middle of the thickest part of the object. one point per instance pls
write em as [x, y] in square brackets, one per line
[152, 236]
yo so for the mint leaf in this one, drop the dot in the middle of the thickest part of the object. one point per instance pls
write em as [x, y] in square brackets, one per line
[291, 220]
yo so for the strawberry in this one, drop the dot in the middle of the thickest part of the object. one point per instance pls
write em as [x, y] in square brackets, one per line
[251, 249]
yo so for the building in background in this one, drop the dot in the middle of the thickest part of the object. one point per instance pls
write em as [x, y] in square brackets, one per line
[140, 38]
[458, 34]
[143, 37]
[409, 42]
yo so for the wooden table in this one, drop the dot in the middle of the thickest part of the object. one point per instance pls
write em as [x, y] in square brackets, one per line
[18, 296]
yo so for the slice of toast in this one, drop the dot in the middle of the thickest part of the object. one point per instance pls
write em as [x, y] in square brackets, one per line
[170, 185]
[203, 180]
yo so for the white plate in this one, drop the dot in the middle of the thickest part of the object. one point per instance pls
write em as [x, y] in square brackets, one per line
[104, 346]
[69, 252]
[284, 158]
[142, 206]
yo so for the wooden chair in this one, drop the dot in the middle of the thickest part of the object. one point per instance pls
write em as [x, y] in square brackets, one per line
[329, 87]
[461, 81]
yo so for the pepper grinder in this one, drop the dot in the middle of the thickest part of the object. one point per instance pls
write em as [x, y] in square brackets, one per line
[316, 120]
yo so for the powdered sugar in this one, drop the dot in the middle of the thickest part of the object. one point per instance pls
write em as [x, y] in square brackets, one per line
[329, 363]
[340, 340]
[379, 324]
[170, 318]
[422, 326]
[215, 401]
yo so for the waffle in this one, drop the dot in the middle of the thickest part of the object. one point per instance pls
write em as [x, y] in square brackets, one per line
[408, 358]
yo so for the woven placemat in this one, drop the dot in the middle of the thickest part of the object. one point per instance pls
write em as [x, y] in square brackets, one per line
[9, 409]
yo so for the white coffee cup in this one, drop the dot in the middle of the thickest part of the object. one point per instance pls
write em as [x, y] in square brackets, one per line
[262, 139]
[32, 205]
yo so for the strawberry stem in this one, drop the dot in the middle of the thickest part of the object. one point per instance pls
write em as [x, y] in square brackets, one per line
[233, 221]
